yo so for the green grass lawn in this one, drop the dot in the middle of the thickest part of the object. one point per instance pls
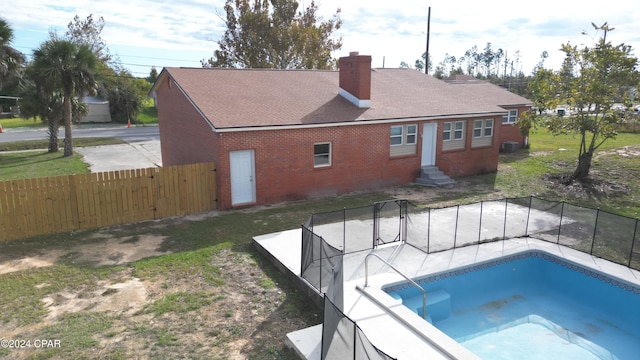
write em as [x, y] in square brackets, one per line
[27, 159]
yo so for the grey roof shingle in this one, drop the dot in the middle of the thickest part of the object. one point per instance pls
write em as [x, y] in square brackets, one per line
[235, 98]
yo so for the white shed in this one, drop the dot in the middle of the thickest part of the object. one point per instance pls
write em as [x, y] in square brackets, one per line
[98, 110]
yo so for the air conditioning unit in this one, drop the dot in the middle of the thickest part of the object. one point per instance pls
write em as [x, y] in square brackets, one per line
[510, 146]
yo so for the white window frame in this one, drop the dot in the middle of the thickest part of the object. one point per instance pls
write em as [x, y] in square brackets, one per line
[446, 133]
[488, 128]
[456, 130]
[408, 135]
[323, 155]
[396, 136]
[477, 130]
[455, 133]
[482, 128]
[511, 117]
[413, 133]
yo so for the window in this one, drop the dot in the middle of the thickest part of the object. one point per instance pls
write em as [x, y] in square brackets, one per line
[396, 135]
[458, 132]
[453, 131]
[412, 130]
[446, 133]
[321, 154]
[488, 128]
[404, 135]
[477, 128]
[483, 128]
[510, 117]
[403, 140]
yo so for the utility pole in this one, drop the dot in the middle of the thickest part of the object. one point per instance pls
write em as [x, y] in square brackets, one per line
[426, 60]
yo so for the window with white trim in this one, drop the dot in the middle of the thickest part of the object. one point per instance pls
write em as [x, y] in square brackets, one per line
[446, 131]
[482, 133]
[483, 128]
[412, 138]
[510, 117]
[477, 128]
[488, 128]
[403, 140]
[403, 135]
[453, 131]
[322, 154]
[396, 135]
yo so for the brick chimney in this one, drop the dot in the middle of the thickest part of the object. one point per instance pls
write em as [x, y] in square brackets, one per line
[355, 79]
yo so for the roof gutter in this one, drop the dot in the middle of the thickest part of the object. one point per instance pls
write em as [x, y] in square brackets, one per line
[355, 123]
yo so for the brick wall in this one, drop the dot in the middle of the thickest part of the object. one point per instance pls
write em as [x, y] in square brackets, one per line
[470, 160]
[185, 136]
[511, 132]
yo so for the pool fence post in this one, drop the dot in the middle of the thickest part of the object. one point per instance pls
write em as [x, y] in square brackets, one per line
[504, 222]
[560, 225]
[428, 229]
[633, 242]
[344, 230]
[480, 226]
[355, 338]
[595, 229]
[404, 216]
[375, 208]
[455, 231]
[526, 227]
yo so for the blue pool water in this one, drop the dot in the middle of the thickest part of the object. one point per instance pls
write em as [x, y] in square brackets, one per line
[531, 306]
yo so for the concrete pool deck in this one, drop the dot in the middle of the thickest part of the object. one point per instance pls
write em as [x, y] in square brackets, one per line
[415, 338]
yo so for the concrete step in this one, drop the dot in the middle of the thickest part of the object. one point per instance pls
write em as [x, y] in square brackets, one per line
[436, 182]
[432, 176]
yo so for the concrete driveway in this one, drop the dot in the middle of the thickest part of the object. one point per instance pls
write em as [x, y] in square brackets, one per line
[134, 155]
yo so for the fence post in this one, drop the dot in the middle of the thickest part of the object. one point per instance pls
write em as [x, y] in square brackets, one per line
[428, 230]
[560, 225]
[633, 242]
[344, 230]
[404, 210]
[355, 338]
[321, 254]
[455, 231]
[480, 226]
[526, 227]
[595, 228]
[504, 222]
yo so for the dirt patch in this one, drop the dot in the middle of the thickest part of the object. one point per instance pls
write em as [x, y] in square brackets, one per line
[115, 251]
[124, 298]
[593, 187]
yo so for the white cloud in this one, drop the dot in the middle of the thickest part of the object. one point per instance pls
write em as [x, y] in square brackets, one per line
[145, 31]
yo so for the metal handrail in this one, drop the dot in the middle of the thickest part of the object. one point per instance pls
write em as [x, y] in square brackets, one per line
[366, 280]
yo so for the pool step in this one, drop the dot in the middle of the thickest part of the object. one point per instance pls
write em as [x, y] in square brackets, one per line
[438, 305]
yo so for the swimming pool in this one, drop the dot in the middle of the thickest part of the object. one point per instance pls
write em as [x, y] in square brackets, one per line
[531, 305]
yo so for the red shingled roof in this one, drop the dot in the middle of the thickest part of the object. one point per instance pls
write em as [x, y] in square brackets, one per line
[236, 98]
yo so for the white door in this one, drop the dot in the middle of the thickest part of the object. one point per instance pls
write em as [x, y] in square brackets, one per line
[429, 132]
[243, 188]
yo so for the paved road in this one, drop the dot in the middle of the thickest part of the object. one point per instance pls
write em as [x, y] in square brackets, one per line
[133, 134]
[142, 149]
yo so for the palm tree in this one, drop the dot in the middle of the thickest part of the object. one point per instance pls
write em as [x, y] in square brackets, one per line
[10, 58]
[62, 66]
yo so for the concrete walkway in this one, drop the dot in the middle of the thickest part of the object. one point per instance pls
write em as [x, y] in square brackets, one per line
[135, 155]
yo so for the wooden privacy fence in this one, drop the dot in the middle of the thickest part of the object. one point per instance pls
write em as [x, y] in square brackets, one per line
[30, 207]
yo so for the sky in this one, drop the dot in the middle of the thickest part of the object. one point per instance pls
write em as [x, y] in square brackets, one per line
[146, 33]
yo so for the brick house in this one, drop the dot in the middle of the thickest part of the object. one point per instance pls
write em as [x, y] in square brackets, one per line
[279, 135]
